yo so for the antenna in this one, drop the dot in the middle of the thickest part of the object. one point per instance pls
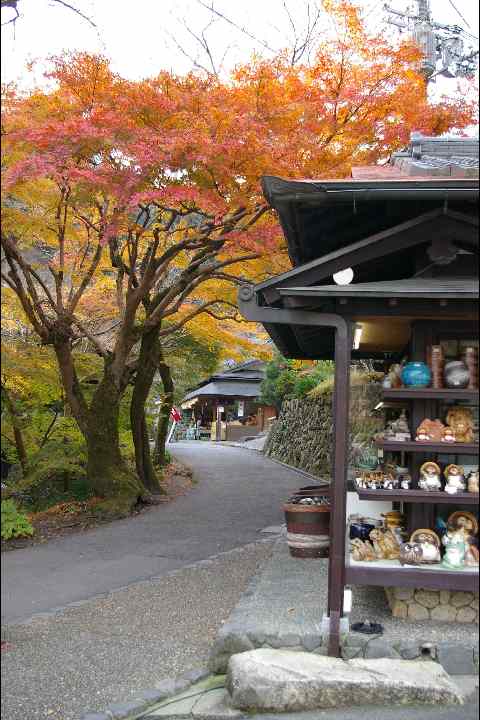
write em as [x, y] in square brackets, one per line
[443, 46]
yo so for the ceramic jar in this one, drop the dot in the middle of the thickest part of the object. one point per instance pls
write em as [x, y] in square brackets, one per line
[416, 374]
[456, 374]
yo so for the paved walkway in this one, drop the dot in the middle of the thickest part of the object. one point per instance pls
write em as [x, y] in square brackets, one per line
[239, 492]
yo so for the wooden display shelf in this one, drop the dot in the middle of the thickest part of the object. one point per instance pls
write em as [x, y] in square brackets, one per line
[389, 573]
[422, 447]
[418, 496]
[430, 394]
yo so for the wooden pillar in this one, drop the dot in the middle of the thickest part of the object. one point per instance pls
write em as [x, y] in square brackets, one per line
[340, 452]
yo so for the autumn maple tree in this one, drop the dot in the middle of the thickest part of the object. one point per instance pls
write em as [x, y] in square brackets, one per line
[131, 207]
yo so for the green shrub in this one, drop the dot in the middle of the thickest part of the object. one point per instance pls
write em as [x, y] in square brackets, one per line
[14, 523]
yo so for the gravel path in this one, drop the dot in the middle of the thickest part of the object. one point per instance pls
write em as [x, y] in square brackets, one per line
[239, 492]
[106, 650]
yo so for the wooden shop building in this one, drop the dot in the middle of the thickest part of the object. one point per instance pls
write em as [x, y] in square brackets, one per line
[227, 405]
[384, 266]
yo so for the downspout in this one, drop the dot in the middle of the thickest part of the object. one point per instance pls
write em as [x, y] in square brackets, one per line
[343, 345]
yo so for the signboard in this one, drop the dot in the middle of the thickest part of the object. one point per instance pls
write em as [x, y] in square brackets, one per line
[241, 408]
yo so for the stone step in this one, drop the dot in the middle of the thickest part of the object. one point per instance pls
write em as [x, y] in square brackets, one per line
[281, 681]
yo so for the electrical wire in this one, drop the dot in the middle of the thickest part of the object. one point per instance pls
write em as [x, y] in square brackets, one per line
[459, 13]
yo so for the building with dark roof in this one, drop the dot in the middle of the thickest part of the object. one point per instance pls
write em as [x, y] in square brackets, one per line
[385, 266]
[228, 403]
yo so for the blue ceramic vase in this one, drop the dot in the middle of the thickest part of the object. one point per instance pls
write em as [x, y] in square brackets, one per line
[416, 374]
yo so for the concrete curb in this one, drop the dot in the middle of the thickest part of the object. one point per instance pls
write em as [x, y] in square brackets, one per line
[139, 705]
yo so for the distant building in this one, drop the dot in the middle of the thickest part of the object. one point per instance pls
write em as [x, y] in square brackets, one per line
[227, 405]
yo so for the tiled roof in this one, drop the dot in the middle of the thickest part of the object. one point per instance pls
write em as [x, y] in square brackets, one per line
[428, 158]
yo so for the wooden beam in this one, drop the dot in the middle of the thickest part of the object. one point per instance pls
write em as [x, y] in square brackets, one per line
[341, 400]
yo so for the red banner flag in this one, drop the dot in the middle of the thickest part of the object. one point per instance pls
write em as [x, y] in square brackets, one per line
[175, 415]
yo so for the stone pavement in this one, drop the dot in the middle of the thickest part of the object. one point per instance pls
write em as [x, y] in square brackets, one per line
[238, 492]
[284, 605]
[122, 646]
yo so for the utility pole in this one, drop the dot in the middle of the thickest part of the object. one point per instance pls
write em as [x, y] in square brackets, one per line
[441, 45]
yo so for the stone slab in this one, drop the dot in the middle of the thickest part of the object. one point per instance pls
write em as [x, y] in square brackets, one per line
[456, 660]
[282, 681]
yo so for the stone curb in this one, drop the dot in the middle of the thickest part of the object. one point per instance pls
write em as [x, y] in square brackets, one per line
[198, 564]
[240, 634]
[164, 690]
[237, 637]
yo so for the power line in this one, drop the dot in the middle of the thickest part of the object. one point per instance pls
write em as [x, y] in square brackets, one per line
[459, 13]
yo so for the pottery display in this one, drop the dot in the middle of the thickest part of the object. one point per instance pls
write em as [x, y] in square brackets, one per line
[398, 429]
[416, 374]
[471, 361]
[393, 378]
[454, 475]
[455, 548]
[456, 374]
[472, 481]
[393, 519]
[430, 477]
[411, 554]
[360, 530]
[448, 435]
[465, 522]
[385, 544]
[430, 544]
[437, 363]
[362, 550]
[460, 419]
[430, 431]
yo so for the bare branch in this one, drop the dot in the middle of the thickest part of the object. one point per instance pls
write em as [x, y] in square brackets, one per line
[75, 10]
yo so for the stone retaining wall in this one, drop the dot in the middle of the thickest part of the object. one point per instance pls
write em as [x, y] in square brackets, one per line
[441, 605]
[302, 436]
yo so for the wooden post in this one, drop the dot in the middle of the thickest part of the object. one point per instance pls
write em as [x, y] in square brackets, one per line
[341, 398]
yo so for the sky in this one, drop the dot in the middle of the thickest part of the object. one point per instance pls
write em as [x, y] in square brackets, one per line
[144, 36]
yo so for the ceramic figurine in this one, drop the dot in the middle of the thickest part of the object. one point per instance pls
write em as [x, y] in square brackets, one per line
[471, 556]
[430, 544]
[411, 554]
[455, 547]
[430, 430]
[393, 378]
[430, 477]
[393, 519]
[398, 429]
[448, 435]
[385, 544]
[472, 481]
[460, 419]
[456, 374]
[362, 550]
[405, 482]
[416, 374]
[464, 522]
[455, 479]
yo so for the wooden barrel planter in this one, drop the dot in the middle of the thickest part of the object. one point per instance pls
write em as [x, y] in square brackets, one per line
[308, 526]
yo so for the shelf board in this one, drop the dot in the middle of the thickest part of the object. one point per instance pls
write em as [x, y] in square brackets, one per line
[418, 496]
[389, 573]
[430, 394]
[423, 447]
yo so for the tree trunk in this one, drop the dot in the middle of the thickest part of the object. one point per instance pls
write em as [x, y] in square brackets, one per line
[159, 455]
[107, 471]
[17, 429]
[147, 365]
